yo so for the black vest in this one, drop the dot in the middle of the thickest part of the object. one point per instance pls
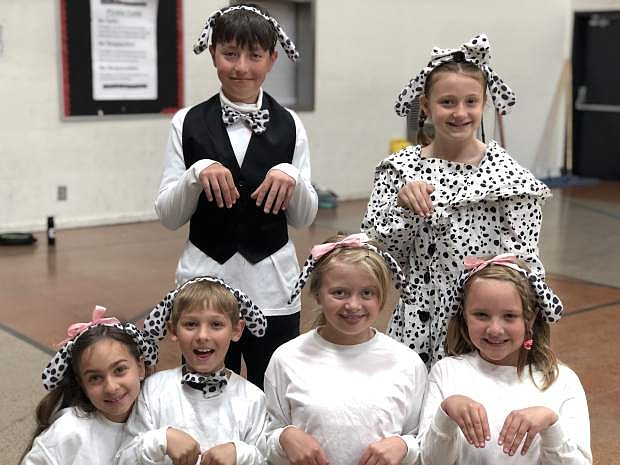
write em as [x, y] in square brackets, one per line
[244, 228]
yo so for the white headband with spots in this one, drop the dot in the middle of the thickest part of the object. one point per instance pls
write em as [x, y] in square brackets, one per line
[476, 51]
[55, 370]
[287, 44]
[359, 240]
[155, 323]
[548, 303]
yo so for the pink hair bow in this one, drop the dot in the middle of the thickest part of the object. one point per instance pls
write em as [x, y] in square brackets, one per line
[353, 240]
[76, 329]
[476, 264]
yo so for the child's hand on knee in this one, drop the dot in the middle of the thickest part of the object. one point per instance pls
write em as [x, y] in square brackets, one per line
[301, 448]
[416, 196]
[471, 418]
[218, 184]
[275, 192]
[525, 423]
[181, 447]
[222, 454]
[388, 451]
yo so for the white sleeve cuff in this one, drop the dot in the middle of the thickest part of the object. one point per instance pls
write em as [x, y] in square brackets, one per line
[287, 169]
[155, 444]
[442, 423]
[201, 165]
[413, 449]
[553, 437]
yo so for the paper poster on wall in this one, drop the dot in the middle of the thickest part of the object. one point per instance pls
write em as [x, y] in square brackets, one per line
[124, 49]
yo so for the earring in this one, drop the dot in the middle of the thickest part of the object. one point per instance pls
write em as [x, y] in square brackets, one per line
[421, 120]
[527, 344]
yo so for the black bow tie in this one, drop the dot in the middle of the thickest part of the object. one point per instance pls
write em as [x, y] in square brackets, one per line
[257, 120]
[211, 384]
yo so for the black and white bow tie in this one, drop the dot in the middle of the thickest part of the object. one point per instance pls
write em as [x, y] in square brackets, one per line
[211, 384]
[257, 120]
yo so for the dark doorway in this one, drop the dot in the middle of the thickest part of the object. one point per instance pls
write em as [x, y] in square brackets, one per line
[596, 94]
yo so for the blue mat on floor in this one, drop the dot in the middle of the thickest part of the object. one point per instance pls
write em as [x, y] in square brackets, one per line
[568, 181]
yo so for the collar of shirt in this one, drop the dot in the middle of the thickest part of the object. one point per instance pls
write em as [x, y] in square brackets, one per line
[243, 107]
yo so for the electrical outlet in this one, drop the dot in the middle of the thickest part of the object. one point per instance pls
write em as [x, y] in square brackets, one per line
[61, 194]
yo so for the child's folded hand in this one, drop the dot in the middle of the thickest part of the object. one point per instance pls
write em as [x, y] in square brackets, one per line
[301, 448]
[275, 192]
[222, 454]
[471, 417]
[524, 424]
[387, 451]
[181, 447]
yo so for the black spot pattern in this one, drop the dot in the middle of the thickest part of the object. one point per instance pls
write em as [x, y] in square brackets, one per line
[400, 281]
[55, 369]
[476, 51]
[287, 44]
[257, 120]
[155, 323]
[211, 384]
[490, 209]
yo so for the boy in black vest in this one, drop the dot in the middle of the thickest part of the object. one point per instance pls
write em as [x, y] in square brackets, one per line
[237, 168]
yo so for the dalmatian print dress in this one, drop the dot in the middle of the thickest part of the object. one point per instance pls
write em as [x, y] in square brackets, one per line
[492, 208]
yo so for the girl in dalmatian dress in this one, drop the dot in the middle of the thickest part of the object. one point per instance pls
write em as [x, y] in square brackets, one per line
[502, 396]
[93, 381]
[345, 393]
[435, 203]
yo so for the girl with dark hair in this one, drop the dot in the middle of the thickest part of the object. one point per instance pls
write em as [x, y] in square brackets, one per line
[93, 381]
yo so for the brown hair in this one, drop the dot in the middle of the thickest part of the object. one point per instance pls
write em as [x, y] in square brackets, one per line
[245, 27]
[463, 67]
[205, 294]
[69, 393]
[541, 356]
[369, 260]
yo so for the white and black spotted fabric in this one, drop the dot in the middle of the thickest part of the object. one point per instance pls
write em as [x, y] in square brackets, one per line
[287, 44]
[476, 51]
[211, 384]
[400, 281]
[548, 303]
[55, 370]
[492, 208]
[257, 120]
[155, 323]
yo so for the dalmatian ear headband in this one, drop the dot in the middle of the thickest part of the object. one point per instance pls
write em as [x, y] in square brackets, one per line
[155, 323]
[287, 44]
[549, 304]
[354, 240]
[55, 370]
[476, 51]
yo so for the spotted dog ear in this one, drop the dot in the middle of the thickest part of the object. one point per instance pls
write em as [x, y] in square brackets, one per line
[155, 323]
[477, 52]
[353, 240]
[55, 370]
[287, 44]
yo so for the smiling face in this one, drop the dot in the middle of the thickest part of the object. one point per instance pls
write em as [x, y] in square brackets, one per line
[241, 70]
[350, 300]
[203, 335]
[493, 313]
[455, 104]
[110, 377]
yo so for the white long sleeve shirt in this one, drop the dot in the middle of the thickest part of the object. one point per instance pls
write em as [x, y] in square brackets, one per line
[236, 415]
[77, 439]
[346, 397]
[500, 391]
[268, 282]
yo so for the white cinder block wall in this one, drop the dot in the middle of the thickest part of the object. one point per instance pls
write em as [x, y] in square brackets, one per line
[366, 51]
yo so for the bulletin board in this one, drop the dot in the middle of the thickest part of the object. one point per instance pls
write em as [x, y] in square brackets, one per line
[77, 68]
